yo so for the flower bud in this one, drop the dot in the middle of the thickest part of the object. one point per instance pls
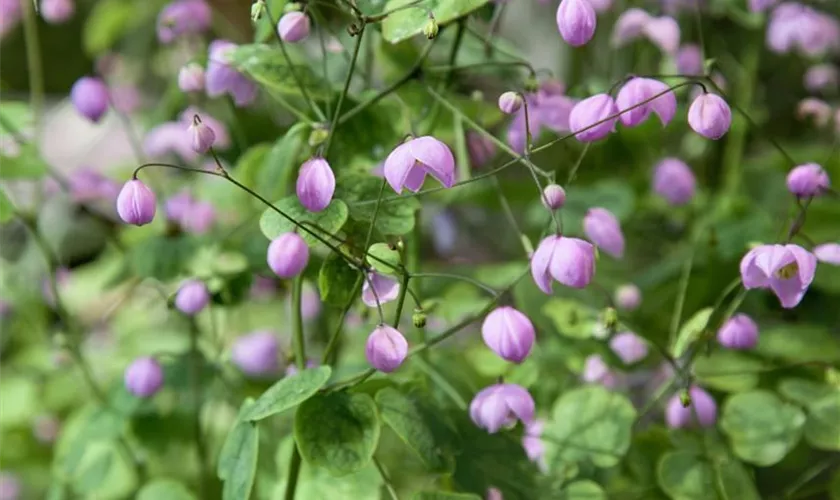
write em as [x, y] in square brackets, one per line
[257, 10]
[288, 255]
[57, 11]
[664, 32]
[628, 297]
[318, 136]
[256, 354]
[191, 78]
[739, 332]
[480, 149]
[182, 18]
[709, 116]
[602, 229]
[136, 203]
[629, 26]
[641, 90]
[554, 197]
[674, 181]
[593, 118]
[418, 318]
[10, 487]
[430, 29]
[202, 137]
[293, 27]
[501, 405]
[570, 261]
[814, 109]
[702, 410]
[508, 333]
[386, 348]
[576, 21]
[595, 371]
[629, 347]
[689, 60]
[89, 96]
[510, 102]
[494, 494]
[807, 180]
[821, 76]
[828, 253]
[192, 297]
[144, 377]
[315, 184]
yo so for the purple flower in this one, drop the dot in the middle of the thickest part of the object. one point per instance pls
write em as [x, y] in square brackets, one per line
[629, 26]
[628, 297]
[576, 21]
[664, 32]
[629, 347]
[702, 410]
[508, 333]
[821, 76]
[315, 184]
[689, 59]
[183, 17]
[554, 197]
[10, 488]
[144, 377]
[570, 261]
[57, 11]
[480, 149]
[288, 255]
[797, 27]
[379, 288]
[136, 203]
[87, 185]
[89, 96]
[494, 493]
[221, 78]
[408, 164]
[760, 5]
[293, 27]
[191, 78]
[640, 90]
[739, 332]
[709, 116]
[674, 181]
[386, 348]
[256, 354]
[595, 371]
[170, 137]
[501, 405]
[198, 218]
[807, 180]
[192, 297]
[593, 118]
[603, 229]
[787, 270]
[202, 137]
[510, 102]
[828, 253]
[817, 109]
[220, 132]
[600, 5]
[10, 15]
[534, 446]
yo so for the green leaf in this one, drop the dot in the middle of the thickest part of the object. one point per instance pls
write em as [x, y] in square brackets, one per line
[684, 475]
[762, 429]
[338, 431]
[583, 490]
[728, 370]
[444, 495]
[165, 489]
[803, 391]
[107, 22]
[237, 463]
[92, 426]
[337, 280]
[266, 65]
[288, 393]
[404, 417]
[383, 258]
[571, 318]
[691, 330]
[280, 165]
[27, 163]
[406, 23]
[360, 191]
[799, 344]
[822, 429]
[251, 163]
[591, 423]
[330, 220]
[162, 257]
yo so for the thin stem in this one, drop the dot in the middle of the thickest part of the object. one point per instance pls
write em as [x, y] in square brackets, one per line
[509, 213]
[195, 383]
[329, 358]
[343, 94]
[34, 65]
[401, 299]
[381, 17]
[467, 279]
[294, 472]
[385, 479]
[681, 293]
[297, 324]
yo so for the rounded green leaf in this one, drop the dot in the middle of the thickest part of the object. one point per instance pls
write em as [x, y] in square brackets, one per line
[406, 23]
[403, 416]
[337, 280]
[268, 67]
[691, 330]
[685, 476]
[822, 429]
[338, 431]
[761, 427]
[165, 489]
[287, 393]
[383, 258]
[728, 370]
[330, 220]
[802, 343]
[571, 318]
[583, 490]
[590, 423]
[803, 391]
[237, 464]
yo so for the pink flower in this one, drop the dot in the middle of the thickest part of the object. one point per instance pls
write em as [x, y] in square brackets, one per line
[787, 270]
[501, 405]
[386, 348]
[315, 184]
[576, 21]
[379, 288]
[702, 410]
[593, 118]
[407, 165]
[640, 90]
[828, 253]
[570, 261]
[508, 333]
[603, 229]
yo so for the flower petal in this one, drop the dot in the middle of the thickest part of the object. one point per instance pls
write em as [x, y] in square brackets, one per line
[540, 262]
[436, 157]
[397, 166]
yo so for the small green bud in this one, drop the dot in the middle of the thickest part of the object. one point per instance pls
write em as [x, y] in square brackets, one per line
[318, 135]
[610, 318]
[292, 7]
[685, 398]
[532, 84]
[257, 10]
[477, 95]
[431, 28]
[418, 318]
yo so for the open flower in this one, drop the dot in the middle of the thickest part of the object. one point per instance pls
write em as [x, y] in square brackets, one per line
[787, 270]
[379, 288]
[501, 405]
[408, 164]
[570, 261]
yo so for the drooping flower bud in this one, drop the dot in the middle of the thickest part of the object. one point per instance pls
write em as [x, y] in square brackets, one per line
[480, 149]
[144, 377]
[593, 118]
[315, 184]
[689, 60]
[821, 76]
[569, 261]
[508, 333]
[807, 180]
[386, 348]
[787, 270]
[554, 197]
[828, 253]
[431, 28]
[664, 32]
[510, 102]
[641, 90]
[501, 405]
[629, 347]
[192, 297]
[202, 137]
[603, 229]
[379, 288]
[674, 181]
[136, 203]
[407, 165]
[181, 18]
[288, 255]
[576, 21]
[702, 410]
[89, 96]
[293, 27]
[256, 354]
[418, 318]
[628, 297]
[709, 116]
[57, 11]
[629, 26]
[739, 332]
[191, 78]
